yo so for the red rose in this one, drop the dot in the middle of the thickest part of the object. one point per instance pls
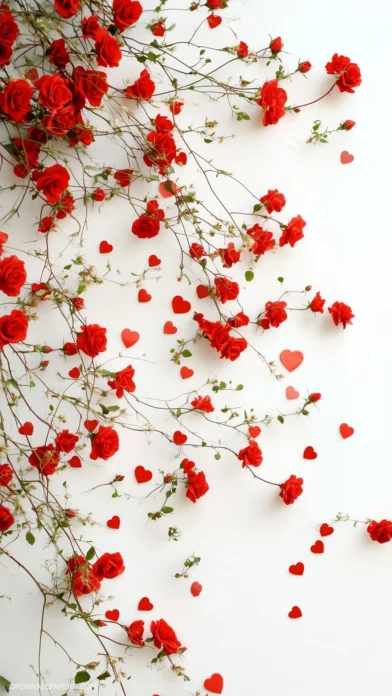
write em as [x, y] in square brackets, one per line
[15, 100]
[276, 45]
[12, 275]
[203, 403]
[108, 50]
[162, 152]
[6, 519]
[293, 232]
[146, 227]
[91, 83]
[46, 224]
[317, 304]
[13, 328]
[196, 485]
[273, 201]
[52, 181]
[233, 348]
[250, 455]
[164, 637]
[78, 303]
[341, 314]
[53, 92]
[123, 381]
[304, 67]
[135, 633]
[5, 52]
[90, 26]
[275, 313]
[109, 566]
[348, 74]
[380, 531]
[60, 122]
[67, 8]
[45, 458]
[9, 30]
[142, 88]
[175, 107]
[229, 255]
[123, 177]
[5, 474]
[58, 54]
[312, 398]
[272, 100]
[263, 240]
[85, 581]
[158, 28]
[347, 125]
[70, 349]
[242, 49]
[196, 251]
[98, 194]
[126, 12]
[105, 443]
[92, 340]
[239, 320]
[163, 124]
[291, 489]
[66, 441]
[226, 289]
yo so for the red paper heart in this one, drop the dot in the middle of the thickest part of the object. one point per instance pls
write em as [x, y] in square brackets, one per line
[291, 393]
[169, 328]
[75, 462]
[112, 614]
[153, 261]
[346, 430]
[291, 359]
[309, 453]
[254, 430]
[74, 373]
[168, 189]
[196, 588]
[326, 530]
[105, 247]
[145, 604]
[143, 296]
[346, 158]
[142, 475]
[114, 522]
[180, 306]
[214, 684]
[318, 547]
[26, 429]
[213, 22]
[179, 438]
[295, 613]
[32, 74]
[186, 372]
[90, 425]
[297, 569]
[129, 338]
[202, 291]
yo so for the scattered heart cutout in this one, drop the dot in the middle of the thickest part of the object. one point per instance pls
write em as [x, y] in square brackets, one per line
[291, 393]
[32, 74]
[326, 530]
[186, 372]
[142, 475]
[309, 453]
[113, 523]
[75, 462]
[26, 429]
[180, 306]
[153, 261]
[214, 684]
[213, 22]
[179, 438]
[112, 614]
[318, 547]
[129, 338]
[74, 373]
[297, 568]
[168, 189]
[145, 604]
[105, 247]
[143, 295]
[169, 328]
[291, 359]
[90, 425]
[295, 613]
[346, 431]
[346, 158]
[254, 430]
[202, 291]
[196, 588]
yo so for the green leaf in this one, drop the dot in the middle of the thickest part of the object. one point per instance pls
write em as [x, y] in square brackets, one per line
[217, 456]
[186, 354]
[281, 419]
[81, 677]
[4, 682]
[249, 275]
[90, 553]
[280, 279]
[167, 510]
[104, 675]
[239, 387]
[257, 207]
[30, 538]
[242, 116]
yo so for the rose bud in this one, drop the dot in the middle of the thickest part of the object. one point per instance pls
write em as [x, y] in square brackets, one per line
[168, 478]
[347, 125]
[78, 302]
[119, 477]
[98, 194]
[304, 67]
[276, 45]
[70, 513]
[296, 110]
[70, 349]
[314, 397]
[44, 363]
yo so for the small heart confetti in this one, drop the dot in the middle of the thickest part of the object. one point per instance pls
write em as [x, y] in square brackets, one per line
[142, 475]
[213, 22]
[295, 613]
[143, 295]
[291, 359]
[153, 261]
[112, 614]
[291, 393]
[196, 588]
[326, 530]
[297, 569]
[105, 248]
[179, 438]
[186, 372]
[254, 430]
[309, 453]
[318, 547]
[180, 306]
[346, 431]
[202, 291]
[114, 522]
[169, 328]
[214, 684]
[346, 158]
[145, 604]
[129, 338]
[26, 429]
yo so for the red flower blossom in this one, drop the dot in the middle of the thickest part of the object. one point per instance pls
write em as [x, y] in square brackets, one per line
[275, 313]
[135, 633]
[293, 232]
[380, 531]
[203, 403]
[15, 100]
[273, 201]
[123, 177]
[5, 474]
[90, 26]
[13, 328]
[52, 181]
[196, 485]
[123, 381]
[250, 455]
[229, 256]
[304, 67]
[272, 100]
[341, 314]
[312, 398]
[276, 45]
[263, 240]
[242, 49]
[66, 441]
[347, 73]
[6, 519]
[109, 566]
[164, 637]
[91, 83]
[105, 443]
[317, 304]
[226, 289]
[291, 489]
[239, 320]
[12, 275]
[45, 458]
[142, 88]
[347, 125]
[158, 28]
[107, 48]
[196, 251]
[67, 8]
[92, 340]
[126, 13]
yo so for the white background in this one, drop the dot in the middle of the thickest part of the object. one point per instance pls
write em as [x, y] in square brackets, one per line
[246, 537]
